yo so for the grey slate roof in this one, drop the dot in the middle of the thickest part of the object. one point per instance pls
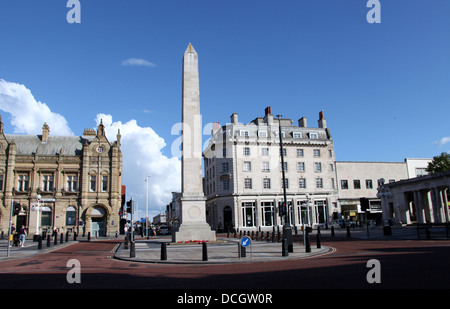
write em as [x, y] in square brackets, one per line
[70, 145]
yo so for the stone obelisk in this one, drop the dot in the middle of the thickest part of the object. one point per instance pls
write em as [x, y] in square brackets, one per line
[193, 207]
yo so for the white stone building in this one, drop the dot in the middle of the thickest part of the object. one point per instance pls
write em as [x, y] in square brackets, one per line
[357, 186]
[243, 178]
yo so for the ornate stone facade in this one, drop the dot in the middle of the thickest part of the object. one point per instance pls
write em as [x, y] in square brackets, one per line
[74, 181]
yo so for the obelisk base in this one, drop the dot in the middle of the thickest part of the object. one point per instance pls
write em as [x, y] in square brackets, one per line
[193, 228]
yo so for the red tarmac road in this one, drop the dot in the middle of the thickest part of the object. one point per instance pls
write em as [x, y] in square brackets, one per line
[404, 264]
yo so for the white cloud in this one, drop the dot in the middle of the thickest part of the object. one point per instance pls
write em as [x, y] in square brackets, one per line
[443, 141]
[138, 62]
[142, 156]
[29, 115]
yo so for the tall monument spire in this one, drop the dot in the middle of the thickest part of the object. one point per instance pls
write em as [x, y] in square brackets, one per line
[191, 125]
[193, 207]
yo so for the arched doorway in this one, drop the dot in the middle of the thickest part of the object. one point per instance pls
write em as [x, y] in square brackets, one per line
[98, 222]
[227, 219]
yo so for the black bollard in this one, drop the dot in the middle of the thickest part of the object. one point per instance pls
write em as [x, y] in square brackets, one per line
[74, 236]
[67, 236]
[132, 249]
[307, 243]
[204, 252]
[427, 233]
[62, 237]
[284, 247]
[55, 242]
[332, 231]
[241, 251]
[267, 236]
[163, 251]
[48, 240]
[348, 231]
[318, 240]
[89, 236]
[40, 242]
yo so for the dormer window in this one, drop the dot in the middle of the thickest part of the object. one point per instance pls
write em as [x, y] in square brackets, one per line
[313, 135]
[244, 133]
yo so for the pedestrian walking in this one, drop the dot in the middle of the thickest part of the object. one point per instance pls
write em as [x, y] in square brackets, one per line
[55, 233]
[22, 235]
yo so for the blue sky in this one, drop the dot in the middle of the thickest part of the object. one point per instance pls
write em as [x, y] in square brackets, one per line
[384, 88]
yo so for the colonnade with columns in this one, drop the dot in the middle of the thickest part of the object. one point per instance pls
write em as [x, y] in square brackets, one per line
[418, 200]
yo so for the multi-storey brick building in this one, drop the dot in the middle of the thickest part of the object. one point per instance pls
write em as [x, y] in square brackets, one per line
[74, 181]
[243, 178]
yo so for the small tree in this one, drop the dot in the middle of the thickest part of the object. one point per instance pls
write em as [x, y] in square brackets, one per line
[439, 164]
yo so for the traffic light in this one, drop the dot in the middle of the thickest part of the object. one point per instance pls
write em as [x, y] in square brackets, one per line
[16, 208]
[130, 206]
[282, 209]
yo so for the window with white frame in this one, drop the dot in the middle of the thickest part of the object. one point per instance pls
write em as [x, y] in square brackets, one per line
[296, 134]
[319, 183]
[249, 214]
[317, 167]
[265, 167]
[302, 183]
[246, 151]
[285, 182]
[300, 166]
[313, 135]
[247, 183]
[247, 166]
[299, 152]
[316, 152]
[243, 133]
[266, 183]
[267, 213]
[264, 151]
[262, 133]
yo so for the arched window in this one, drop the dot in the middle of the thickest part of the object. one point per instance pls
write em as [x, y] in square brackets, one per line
[71, 216]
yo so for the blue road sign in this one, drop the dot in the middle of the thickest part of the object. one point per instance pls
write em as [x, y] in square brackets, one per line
[245, 241]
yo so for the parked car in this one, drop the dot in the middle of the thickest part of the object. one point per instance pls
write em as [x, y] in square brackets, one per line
[345, 223]
[163, 230]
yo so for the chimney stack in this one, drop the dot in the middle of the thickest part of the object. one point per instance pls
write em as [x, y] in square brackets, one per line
[216, 127]
[322, 121]
[45, 132]
[268, 117]
[234, 118]
[302, 122]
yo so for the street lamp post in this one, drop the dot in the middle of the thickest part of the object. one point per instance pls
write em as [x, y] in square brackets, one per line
[287, 229]
[146, 207]
[37, 209]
